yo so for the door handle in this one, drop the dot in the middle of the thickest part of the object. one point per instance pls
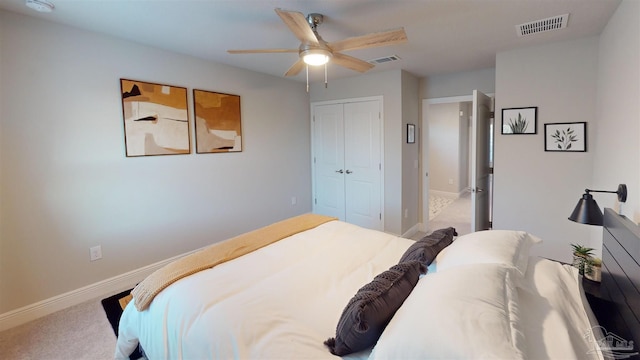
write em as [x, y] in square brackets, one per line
[339, 171]
[349, 171]
[479, 190]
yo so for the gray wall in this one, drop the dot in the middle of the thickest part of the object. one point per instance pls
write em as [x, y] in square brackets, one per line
[595, 80]
[444, 147]
[410, 152]
[617, 131]
[534, 190]
[458, 84]
[66, 184]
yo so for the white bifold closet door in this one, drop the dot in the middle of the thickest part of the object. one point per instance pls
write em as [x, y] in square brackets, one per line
[347, 152]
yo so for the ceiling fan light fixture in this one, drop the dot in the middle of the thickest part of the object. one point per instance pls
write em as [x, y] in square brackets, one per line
[40, 5]
[316, 56]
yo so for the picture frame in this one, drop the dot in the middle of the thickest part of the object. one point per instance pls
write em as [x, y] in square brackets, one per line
[156, 119]
[565, 137]
[217, 121]
[520, 121]
[411, 133]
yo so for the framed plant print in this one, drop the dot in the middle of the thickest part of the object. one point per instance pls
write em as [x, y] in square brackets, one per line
[565, 137]
[156, 121]
[218, 125]
[520, 121]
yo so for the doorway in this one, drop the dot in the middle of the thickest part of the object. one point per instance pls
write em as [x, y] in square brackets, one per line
[448, 165]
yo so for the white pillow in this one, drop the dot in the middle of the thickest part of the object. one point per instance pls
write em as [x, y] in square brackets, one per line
[507, 247]
[470, 312]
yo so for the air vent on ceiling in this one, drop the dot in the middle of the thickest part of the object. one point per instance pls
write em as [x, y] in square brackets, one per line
[385, 59]
[538, 26]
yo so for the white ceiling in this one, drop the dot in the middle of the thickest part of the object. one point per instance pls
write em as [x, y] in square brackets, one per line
[445, 36]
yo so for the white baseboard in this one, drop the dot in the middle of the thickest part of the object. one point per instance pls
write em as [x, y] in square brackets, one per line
[97, 290]
[414, 229]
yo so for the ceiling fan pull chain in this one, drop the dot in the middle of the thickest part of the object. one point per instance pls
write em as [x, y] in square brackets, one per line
[325, 75]
[307, 67]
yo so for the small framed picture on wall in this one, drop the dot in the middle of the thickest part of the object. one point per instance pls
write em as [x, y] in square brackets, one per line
[565, 137]
[519, 121]
[411, 133]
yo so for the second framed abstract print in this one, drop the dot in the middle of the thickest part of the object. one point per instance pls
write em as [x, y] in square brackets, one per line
[218, 125]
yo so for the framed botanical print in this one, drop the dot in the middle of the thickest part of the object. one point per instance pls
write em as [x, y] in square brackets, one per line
[519, 121]
[565, 137]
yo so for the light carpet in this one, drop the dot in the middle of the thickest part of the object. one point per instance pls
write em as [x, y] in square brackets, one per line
[76, 333]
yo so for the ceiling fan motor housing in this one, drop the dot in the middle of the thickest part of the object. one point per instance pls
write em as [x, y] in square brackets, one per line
[315, 19]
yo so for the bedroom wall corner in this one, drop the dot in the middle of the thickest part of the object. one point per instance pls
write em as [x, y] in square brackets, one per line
[536, 190]
[617, 142]
[410, 154]
[66, 184]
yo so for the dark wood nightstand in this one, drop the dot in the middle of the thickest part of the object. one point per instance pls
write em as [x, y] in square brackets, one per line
[604, 309]
[591, 287]
[599, 305]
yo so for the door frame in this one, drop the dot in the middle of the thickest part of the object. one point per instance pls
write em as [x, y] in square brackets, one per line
[380, 100]
[424, 151]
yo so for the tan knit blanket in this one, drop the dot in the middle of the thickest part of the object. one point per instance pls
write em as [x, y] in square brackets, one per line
[220, 252]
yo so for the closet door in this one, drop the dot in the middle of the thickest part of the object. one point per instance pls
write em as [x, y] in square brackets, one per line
[363, 166]
[328, 160]
[347, 153]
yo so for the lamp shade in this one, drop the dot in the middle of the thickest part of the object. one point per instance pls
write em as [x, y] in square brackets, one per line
[587, 211]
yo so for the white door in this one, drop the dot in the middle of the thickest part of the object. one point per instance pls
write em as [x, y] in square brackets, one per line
[347, 152]
[328, 160]
[362, 164]
[480, 161]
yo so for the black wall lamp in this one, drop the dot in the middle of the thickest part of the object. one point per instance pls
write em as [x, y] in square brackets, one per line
[588, 212]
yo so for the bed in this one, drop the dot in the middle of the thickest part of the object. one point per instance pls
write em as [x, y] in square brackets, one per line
[336, 289]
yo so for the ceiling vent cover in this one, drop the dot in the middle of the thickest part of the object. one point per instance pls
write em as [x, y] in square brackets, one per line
[385, 59]
[538, 26]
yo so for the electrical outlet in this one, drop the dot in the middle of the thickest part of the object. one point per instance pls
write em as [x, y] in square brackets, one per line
[95, 253]
[294, 200]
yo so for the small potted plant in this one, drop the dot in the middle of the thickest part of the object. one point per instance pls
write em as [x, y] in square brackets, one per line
[593, 269]
[581, 255]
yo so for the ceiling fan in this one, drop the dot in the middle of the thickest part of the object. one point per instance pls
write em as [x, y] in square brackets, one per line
[313, 50]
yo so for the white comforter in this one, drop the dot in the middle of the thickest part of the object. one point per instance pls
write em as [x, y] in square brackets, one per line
[283, 301]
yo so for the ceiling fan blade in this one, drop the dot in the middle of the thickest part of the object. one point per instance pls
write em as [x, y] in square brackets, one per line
[382, 38]
[350, 62]
[298, 24]
[295, 68]
[262, 51]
